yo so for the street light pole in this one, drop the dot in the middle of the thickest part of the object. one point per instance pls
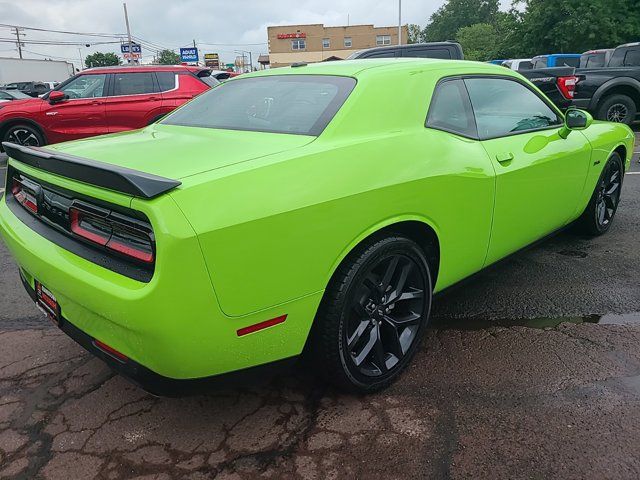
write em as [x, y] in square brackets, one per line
[399, 22]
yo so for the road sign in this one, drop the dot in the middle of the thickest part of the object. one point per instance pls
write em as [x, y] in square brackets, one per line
[132, 56]
[189, 54]
[135, 48]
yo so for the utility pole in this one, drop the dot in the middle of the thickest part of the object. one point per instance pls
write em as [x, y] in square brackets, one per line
[80, 55]
[399, 22]
[19, 44]
[196, 47]
[126, 20]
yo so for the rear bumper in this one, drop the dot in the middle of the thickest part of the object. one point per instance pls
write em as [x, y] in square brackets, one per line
[172, 328]
[160, 385]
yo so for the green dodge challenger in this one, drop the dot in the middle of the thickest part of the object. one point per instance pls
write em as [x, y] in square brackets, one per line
[312, 209]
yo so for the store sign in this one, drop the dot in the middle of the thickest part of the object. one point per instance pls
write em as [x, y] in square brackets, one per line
[292, 35]
[189, 54]
[135, 48]
[212, 60]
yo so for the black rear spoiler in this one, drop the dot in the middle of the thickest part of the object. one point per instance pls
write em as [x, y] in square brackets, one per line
[113, 177]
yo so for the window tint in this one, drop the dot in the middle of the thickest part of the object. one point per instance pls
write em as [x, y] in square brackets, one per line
[299, 104]
[632, 58]
[133, 83]
[166, 80]
[540, 62]
[567, 61]
[441, 53]
[526, 65]
[85, 86]
[503, 107]
[386, 53]
[592, 60]
[450, 109]
[5, 96]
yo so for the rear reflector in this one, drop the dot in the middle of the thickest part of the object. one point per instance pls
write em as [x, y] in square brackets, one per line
[112, 352]
[261, 325]
[25, 196]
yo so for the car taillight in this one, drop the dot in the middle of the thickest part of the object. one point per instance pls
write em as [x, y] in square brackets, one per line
[24, 195]
[567, 86]
[114, 232]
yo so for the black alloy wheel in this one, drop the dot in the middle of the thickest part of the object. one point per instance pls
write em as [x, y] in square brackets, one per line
[618, 112]
[608, 194]
[373, 315]
[24, 135]
[598, 216]
[385, 315]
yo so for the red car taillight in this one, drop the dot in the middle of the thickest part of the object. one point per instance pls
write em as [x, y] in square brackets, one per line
[567, 86]
[117, 234]
[24, 196]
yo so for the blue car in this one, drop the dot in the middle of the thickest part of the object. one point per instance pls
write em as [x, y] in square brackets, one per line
[496, 62]
[556, 60]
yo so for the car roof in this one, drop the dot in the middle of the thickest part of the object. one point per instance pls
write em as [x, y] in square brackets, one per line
[558, 55]
[355, 68]
[144, 68]
[632, 44]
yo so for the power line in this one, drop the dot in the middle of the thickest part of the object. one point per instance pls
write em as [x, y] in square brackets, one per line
[87, 34]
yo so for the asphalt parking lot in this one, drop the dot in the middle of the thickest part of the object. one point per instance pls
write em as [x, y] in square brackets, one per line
[530, 370]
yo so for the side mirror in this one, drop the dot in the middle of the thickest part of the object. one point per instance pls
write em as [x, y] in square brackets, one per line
[575, 119]
[56, 96]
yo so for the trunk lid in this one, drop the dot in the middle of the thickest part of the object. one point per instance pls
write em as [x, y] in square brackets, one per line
[177, 152]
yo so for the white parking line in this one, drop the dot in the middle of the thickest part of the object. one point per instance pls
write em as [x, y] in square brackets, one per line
[1, 190]
[632, 173]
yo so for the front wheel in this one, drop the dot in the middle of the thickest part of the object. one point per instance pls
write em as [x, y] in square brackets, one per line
[373, 315]
[24, 135]
[598, 216]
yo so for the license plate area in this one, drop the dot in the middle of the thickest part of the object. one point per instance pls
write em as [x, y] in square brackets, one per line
[47, 303]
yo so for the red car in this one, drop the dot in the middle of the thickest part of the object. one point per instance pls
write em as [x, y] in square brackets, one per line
[102, 100]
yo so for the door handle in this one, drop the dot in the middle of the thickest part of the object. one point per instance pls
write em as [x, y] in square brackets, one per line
[153, 99]
[96, 102]
[504, 157]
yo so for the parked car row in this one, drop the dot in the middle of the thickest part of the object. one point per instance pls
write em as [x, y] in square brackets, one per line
[99, 101]
[605, 82]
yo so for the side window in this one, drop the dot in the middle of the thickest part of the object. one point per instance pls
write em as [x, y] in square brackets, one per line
[166, 80]
[525, 65]
[540, 63]
[632, 58]
[568, 62]
[133, 83]
[386, 53]
[450, 109]
[5, 96]
[85, 86]
[441, 53]
[503, 107]
[617, 59]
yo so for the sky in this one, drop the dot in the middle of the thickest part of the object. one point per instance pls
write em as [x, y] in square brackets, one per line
[217, 26]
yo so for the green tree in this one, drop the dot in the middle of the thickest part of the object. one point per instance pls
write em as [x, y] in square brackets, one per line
[456, 14]
[568, 26]
[415, 33]
[168, 57]
[100, 59]
[479, 42]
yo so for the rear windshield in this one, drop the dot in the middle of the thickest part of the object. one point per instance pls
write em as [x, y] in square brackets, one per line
[297, 104]
[567, 61]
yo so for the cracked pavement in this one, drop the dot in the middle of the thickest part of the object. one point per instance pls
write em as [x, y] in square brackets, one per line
[486, 397]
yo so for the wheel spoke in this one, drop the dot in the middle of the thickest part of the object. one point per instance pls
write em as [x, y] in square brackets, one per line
[614, 177]
[392, 333]
[608, 200]
[379, 353]
[366, 350]
[388, 274]
[407, 319]
[373, 289]
[402, 280]
[601, 212]
[411, 295]
[357, 335]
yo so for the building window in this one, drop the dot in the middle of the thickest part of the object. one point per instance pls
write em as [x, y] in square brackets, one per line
[347, 42]
[326, 43]
[383, 39]
[298, 44]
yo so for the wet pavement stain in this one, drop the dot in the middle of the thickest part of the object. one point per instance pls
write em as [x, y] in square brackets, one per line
[475, 323]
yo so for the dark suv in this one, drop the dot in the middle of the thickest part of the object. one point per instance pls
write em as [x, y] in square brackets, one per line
[33, 89]
[441, 50]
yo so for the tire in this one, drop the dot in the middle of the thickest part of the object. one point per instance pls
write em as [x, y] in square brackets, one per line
[24, 134]
[598, 216]
[362, 312]
[617, 108]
